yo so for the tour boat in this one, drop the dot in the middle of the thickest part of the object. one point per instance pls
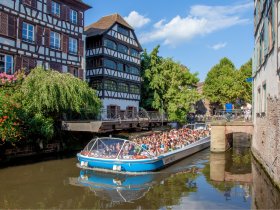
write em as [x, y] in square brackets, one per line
[125, 156]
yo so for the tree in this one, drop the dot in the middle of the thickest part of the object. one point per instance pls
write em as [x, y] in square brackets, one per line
[244, 73]
[30, 107]
[224, 83]
[52, 93]
[220, 83]
[167, 86]
[150, 68]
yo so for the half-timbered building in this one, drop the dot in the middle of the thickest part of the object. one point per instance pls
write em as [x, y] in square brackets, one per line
[42, 32]
[113, 65]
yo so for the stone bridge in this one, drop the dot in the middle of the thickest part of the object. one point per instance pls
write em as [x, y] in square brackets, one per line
[221, 133]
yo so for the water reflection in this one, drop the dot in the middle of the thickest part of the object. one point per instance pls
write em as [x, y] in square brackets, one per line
[202, 181]
[114, 187]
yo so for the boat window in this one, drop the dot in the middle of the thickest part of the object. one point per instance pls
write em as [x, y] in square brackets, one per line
[114, 148]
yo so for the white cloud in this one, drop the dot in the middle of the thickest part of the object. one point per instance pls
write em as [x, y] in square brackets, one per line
[202, 20]
[219, 46]
[136, 20]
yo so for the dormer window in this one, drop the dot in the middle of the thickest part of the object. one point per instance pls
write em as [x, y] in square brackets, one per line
[123, 31]
[55, 8]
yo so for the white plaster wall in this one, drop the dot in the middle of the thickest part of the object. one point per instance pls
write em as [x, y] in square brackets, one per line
[120, 102]
[7, 41]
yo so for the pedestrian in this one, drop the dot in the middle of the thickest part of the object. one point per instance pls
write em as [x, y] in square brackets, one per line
[248, 110]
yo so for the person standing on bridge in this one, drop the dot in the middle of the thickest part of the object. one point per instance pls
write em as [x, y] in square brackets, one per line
[248, 109]
[228, 108]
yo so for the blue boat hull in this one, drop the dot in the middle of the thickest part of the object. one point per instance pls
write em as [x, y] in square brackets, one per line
[143, 165]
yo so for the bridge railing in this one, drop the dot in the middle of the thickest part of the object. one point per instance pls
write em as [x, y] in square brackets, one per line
[221, 114]
[127, 115]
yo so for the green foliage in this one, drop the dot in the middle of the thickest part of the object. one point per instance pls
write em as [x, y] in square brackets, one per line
[245, 89]
[30, 106]
[9, 121]
[52, 92]
[167, 86]
[225, 84]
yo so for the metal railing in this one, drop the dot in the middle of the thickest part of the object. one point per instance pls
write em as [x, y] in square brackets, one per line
[221, 114]
[113, 115]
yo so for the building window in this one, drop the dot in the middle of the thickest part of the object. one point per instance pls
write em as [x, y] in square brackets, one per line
[27, 32]
[123, 31]
[73, 45]
[122, 49]
[109, 64]
[110, 44]
[122, 87]
[134, 89]
[271, 33]
[134, 70]
[55, 40]
[264, 98]
[55, 8]
[110, 85]
[73, 16]
[120, 67]
[134, 53]
[259, 102]
[6, 64]
[97, 85]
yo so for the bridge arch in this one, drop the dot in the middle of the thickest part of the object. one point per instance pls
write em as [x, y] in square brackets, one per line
[221, 134]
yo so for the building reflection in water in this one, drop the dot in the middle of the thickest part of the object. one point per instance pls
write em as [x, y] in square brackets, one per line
[230, 168]
[264, 194]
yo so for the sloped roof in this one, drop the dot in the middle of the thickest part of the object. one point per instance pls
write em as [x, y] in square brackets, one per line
[104, 23]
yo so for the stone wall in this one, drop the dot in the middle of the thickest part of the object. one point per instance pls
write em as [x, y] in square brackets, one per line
[265, 144]
[264, 194]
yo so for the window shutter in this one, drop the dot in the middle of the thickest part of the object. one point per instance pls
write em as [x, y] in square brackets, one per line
[80, 19]
[39, 38]
[265, 36]
[65, 43]
[18, 61]
[273, 22]
[47, 37]
[12, 26]
[20, 21]
[81, 47]
[56, 66]
[4, 24]
[63, 12]
[49, 6]
[81, 74]
[71, 70]
[32, 63]
[25, 64]
[34, 4]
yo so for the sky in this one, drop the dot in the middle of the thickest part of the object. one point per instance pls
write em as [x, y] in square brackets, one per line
[196, 33]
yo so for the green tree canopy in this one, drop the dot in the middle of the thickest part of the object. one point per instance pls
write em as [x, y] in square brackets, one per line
[52, 92]
[224, 83]
[167, 85]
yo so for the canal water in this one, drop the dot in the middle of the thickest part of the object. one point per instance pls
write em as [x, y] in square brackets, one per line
[232, 180]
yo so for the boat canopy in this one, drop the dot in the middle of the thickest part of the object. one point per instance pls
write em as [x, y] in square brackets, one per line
[115, 148]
